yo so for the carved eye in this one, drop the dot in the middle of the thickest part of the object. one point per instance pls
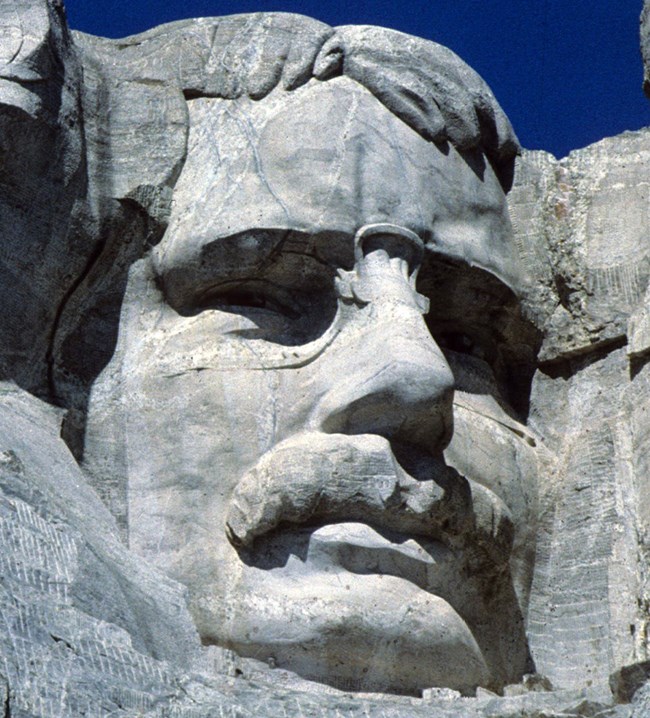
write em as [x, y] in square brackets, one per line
[251, 297]
[242, 298]
[463, 344]
[259, 309]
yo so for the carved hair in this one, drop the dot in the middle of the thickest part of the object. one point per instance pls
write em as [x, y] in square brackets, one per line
[427, 86]
[424, 84]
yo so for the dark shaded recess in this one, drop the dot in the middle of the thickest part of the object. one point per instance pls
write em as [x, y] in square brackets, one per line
[567, 366]
[193, 94]
[474, 313]
[86, 333]
[475, 159]
[625, 682]
[637, 363]
[41, 177]
[78, 235]
[564, 291]
[505, 171]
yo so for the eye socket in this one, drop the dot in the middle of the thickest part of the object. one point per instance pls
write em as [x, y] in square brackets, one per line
[254, 295]
[260, 309]
[463, 343]
[242, 298]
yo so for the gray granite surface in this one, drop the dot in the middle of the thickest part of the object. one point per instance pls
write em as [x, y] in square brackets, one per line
[318, 396]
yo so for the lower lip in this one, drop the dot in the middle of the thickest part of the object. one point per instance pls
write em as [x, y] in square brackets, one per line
[385, 593]
[358, 548]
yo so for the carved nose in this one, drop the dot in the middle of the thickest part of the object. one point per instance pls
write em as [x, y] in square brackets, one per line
[391, 377]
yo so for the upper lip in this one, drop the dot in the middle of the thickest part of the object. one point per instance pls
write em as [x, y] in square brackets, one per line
[329, 478]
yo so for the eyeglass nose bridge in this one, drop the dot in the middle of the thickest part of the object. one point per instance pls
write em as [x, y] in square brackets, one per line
[399, 243]
[396, 240]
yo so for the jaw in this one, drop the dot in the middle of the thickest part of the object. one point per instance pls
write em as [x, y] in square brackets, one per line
[371, 632]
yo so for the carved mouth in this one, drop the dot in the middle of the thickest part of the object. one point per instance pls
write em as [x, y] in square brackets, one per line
[371, 554]
[352, 596]
[361, 549]
[336, 479]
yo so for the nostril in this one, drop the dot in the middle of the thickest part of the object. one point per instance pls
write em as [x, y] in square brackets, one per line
[432, 426]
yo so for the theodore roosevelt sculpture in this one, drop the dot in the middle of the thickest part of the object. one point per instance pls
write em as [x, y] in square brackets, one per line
[295, 337]
[337, 271]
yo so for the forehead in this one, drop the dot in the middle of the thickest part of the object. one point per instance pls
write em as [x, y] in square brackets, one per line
[325, 160]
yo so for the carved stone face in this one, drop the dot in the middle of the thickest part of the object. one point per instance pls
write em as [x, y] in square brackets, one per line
[310, 402]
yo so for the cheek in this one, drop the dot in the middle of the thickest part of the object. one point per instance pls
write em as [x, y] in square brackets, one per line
[190, 439]
[490, 447]
[210, 425]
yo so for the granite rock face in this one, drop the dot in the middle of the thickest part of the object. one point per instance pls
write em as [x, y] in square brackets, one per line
[42, 175]
[284, 331]
[587, 216]
[645, 45]
[85, 625]
[352, 407]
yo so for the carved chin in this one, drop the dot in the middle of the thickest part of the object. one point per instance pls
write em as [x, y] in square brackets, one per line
[364, 633]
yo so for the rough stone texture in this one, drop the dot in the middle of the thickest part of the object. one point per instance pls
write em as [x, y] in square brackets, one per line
[76, 607]
[645, 46]
[589, 402]
[42, 176]
[332, 164]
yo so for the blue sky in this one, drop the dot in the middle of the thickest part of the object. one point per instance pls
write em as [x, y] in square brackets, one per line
[567, 72]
